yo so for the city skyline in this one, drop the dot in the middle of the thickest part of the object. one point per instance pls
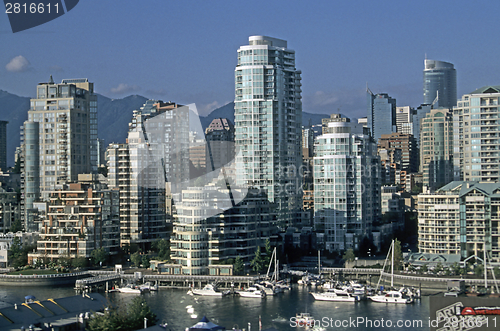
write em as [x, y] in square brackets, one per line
[383, 45]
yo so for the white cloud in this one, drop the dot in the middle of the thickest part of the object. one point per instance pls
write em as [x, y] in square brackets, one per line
[125, 88]
[18, 64]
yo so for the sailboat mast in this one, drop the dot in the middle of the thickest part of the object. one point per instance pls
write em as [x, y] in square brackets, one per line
[319, 262]
[392, 264]
[276, 268]
[485, 271]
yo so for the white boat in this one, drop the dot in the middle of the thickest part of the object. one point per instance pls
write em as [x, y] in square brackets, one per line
[304, 320]
[335, 296]
[210, 290]
[129, 288]
[148, 287]
[391, 297]
[252, 292]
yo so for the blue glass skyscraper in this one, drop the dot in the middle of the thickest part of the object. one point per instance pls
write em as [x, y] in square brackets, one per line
[381, 115]
[440, 80]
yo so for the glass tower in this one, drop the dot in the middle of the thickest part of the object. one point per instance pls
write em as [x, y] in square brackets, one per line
[381, 115]
[268, 122]
[440, 80]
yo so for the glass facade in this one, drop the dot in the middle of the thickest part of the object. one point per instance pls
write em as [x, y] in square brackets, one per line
[268, 122]
[440, 80]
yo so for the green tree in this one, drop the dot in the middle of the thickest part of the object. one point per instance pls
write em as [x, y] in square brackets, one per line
[145, 261]
[79, 262]
[137, 311]
[398, 255]
[16, 226]
[238, 266]
[136, 259]
[162, 248]
[18, 255]
[455, 268]
[438, 268]
[129, 319]
[349, 255]
[99, 256]
[496, 270]
[257, 262]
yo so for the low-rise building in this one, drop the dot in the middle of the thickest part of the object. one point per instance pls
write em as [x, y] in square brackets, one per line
[460, 218]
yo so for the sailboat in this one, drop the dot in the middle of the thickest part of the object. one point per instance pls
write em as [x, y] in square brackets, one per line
[391, 296]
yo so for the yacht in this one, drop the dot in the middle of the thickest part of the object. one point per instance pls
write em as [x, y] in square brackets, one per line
[391, 297]
[148, 287]
[252, 292]
[210, 290]
[335, 296]
[129, 288]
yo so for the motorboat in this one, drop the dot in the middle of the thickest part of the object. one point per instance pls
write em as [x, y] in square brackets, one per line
[148, 287]
[252, 292]
[391, 297]
[210, 290]
[304, 320]
[339, 296]
[129, 288]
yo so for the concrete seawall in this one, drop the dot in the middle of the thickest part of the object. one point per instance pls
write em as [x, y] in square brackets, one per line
[42, 280]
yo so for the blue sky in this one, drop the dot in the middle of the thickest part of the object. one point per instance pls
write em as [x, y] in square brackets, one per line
[185, 51]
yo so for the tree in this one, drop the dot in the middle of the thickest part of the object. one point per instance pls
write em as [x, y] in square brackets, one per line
[18, 254]
[438, 268]
[162, 248]
[136, 259]
[257, 263]
[455, 268]
[79, 262]
[137, 311]
[99, 256]
[129, 319]
[349, 255]
[398, 255]
[238, 266]
[16, 226]
[145, 261]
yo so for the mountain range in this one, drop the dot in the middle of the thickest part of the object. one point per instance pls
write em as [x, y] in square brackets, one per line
[114, 115]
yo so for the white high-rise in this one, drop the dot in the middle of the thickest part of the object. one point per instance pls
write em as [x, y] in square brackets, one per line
[268, 121]
[346, 184]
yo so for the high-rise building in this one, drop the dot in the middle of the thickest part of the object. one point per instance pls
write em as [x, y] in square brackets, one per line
[404, 119]
[436, 150]
[156, 152]
[408, 146]
[381, 117]
[460, 218]
[476, 136]
[67, 117]
[440, 81]
[220, 143]
[3, 145]
[346, 184]
[30, 173]
[268, 122]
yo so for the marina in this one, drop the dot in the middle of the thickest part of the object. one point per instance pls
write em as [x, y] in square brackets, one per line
[235, 311]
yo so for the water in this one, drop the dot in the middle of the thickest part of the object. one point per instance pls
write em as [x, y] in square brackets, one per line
[170, 306]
